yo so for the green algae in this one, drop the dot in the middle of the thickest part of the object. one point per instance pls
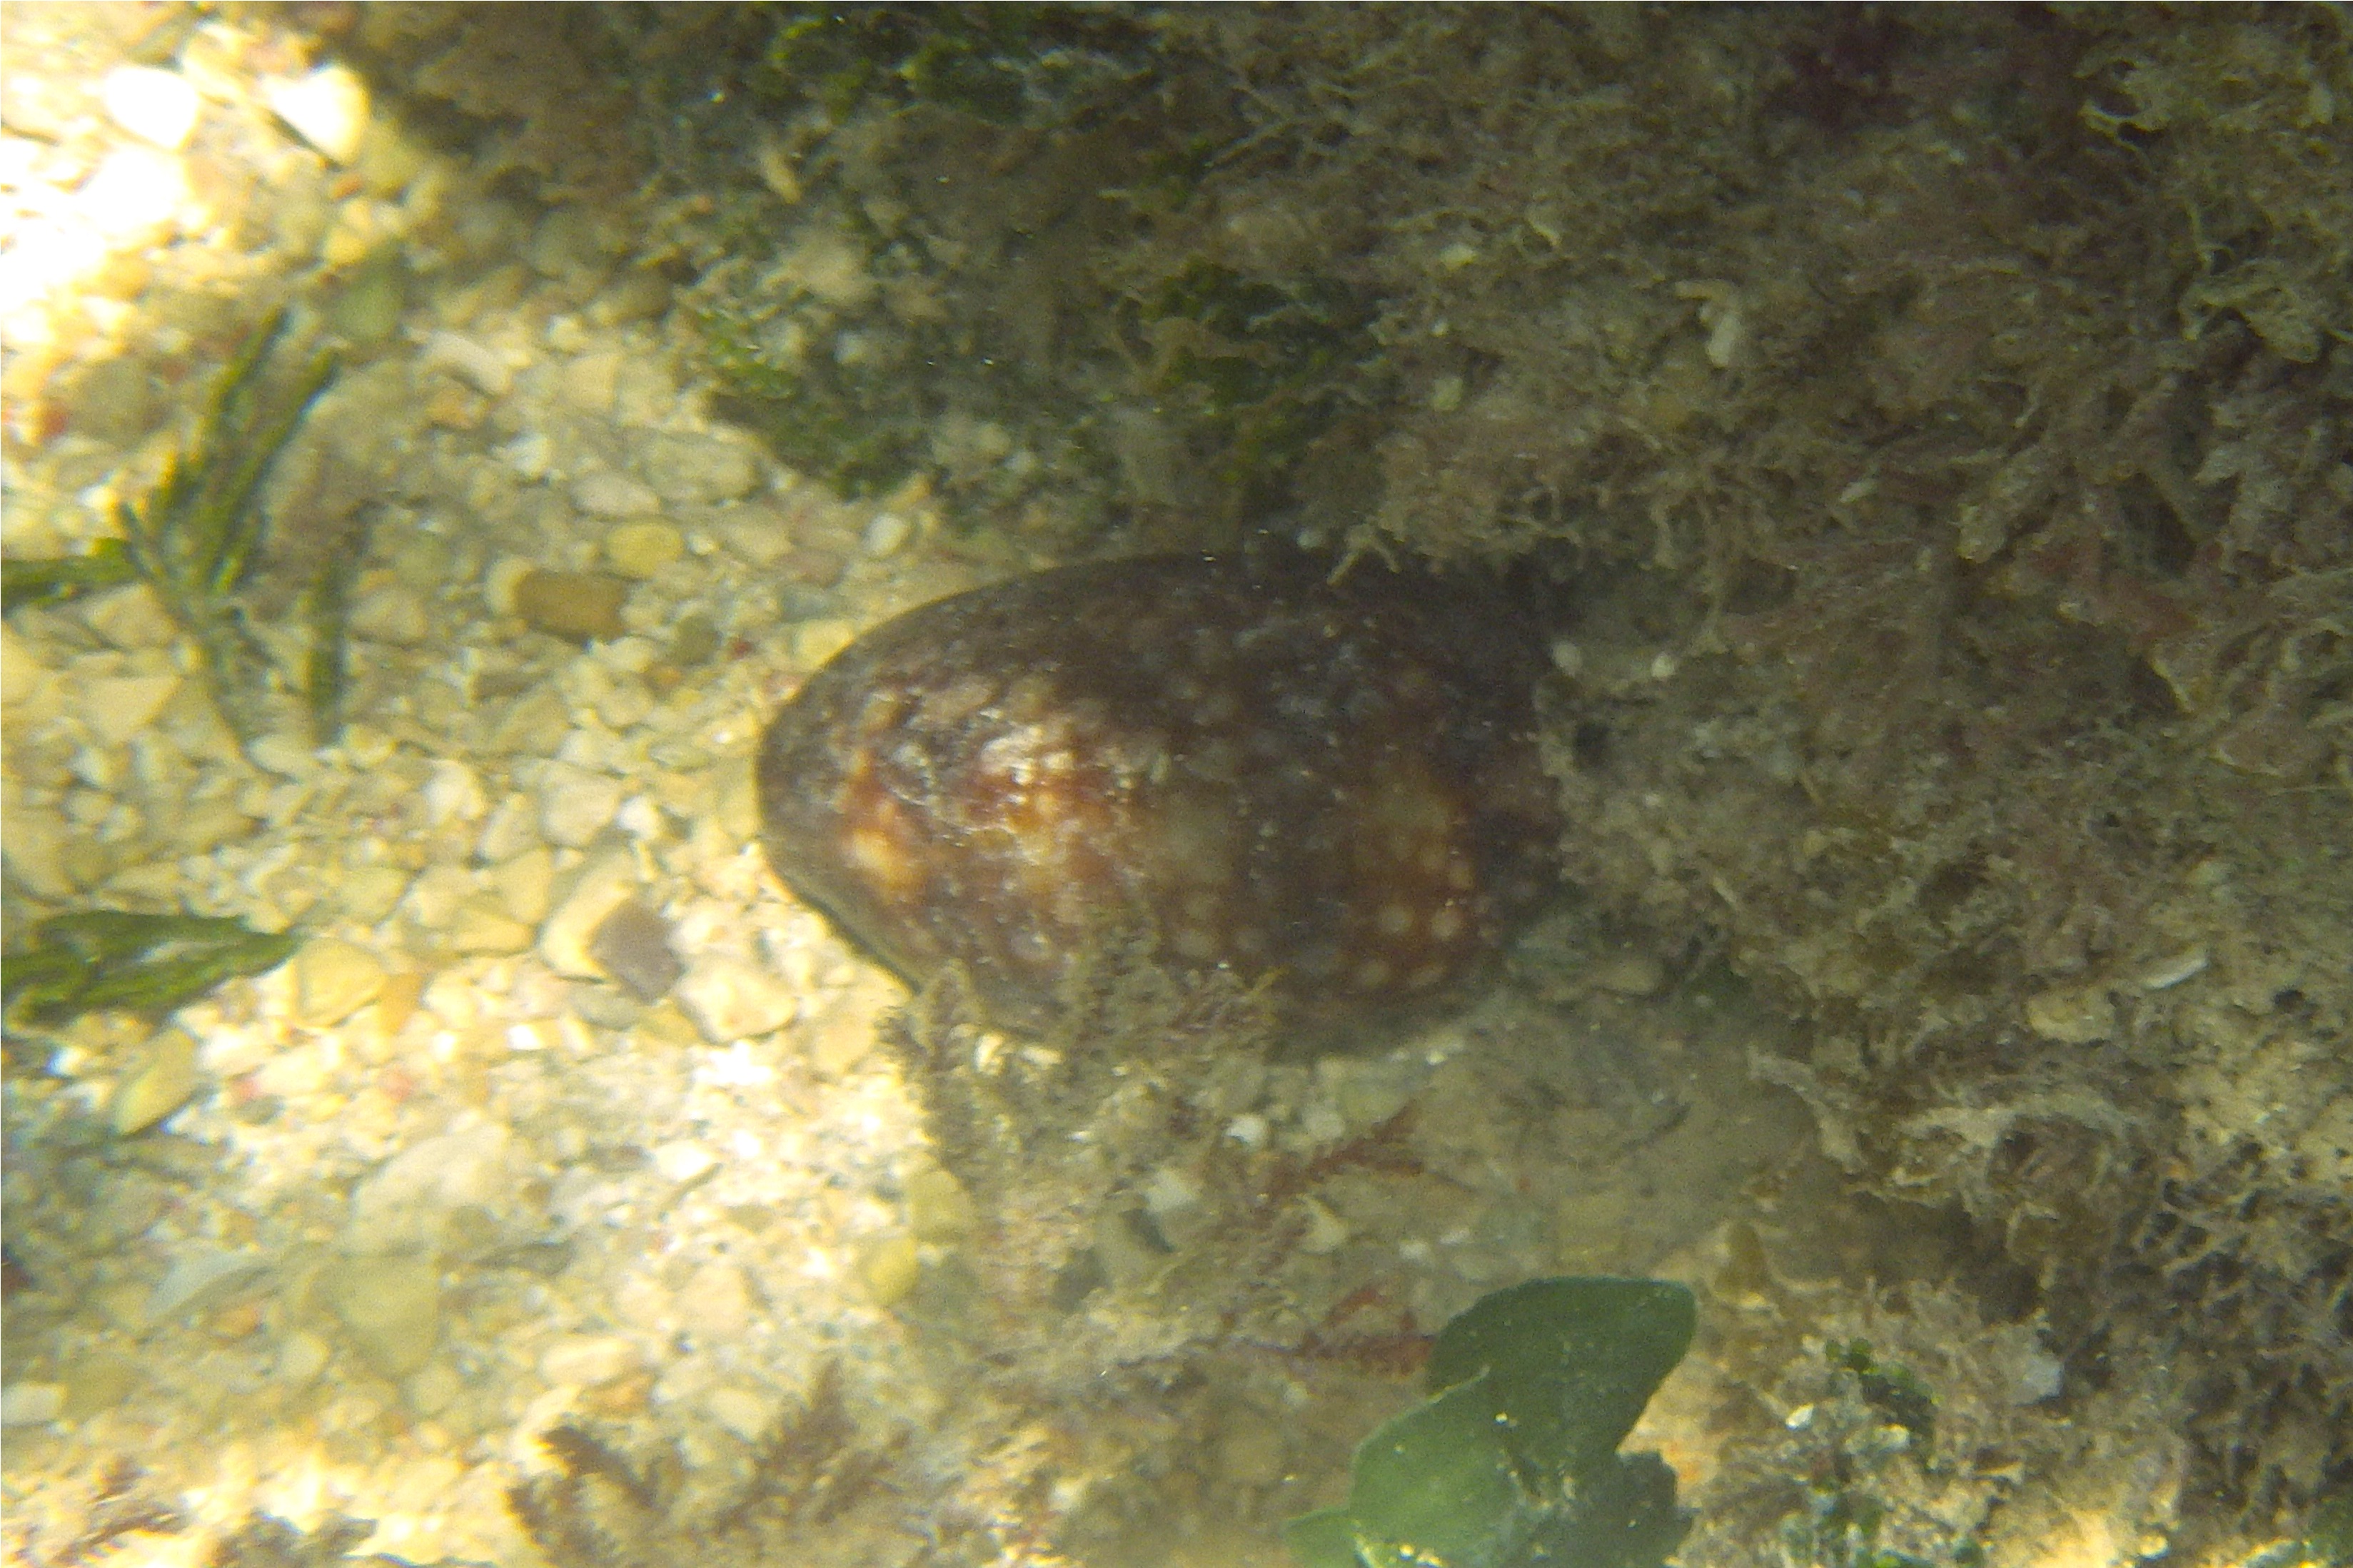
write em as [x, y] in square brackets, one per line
[94, 960]
[56, 579]
[194, 537]
[1515, 1458]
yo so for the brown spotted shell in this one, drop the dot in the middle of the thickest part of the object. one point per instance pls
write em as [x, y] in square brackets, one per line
[1330, 788]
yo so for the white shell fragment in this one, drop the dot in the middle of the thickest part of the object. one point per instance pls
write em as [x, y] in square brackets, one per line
[159, 107]
[476, 363]
[328, 108]
[2171, 971]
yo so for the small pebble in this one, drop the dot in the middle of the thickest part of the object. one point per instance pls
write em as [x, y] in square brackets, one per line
[815, 642]
[758, 535]
[101, 1379]
[1325, 1230]
[1369, 1092]
[124, 706]
[640, 550]
[716, 1303]
[686, 470]
[159, 107]
[301, 1357]
[31, 1404]
[807, 571]
[886, 535]
[683, 1161]
[455, 407]
[396, 1003]
[453, 793]
[2169, 972]
[134, 189]
[201, 1281]
[374, 292]
[328, 108]
[477, 364]
[533, 726]
[1170, 1193]
[737, 801]
[1631, 974]
[284, 755]
[159, 1083]
[368, 748]
[132, 617]
[582, 607]
[372, 892]
[589, 1360]
[406, 1204]
[434, 1389]
[513, 828]
[526, 883]
[730, 1000]
[592, 381]
[891, 1268]
[694, 640]
[638, 294]
[632, 942]
[564, 244]
[938, 1207]
[392, 1306]
[740, 1411]
[21, 669]
[745, 1414]
[575, 805]
[531, 454]
[605, 1007]
[334, 980]
[603, 886]
[206, 825]
[2072, 1015]
[840, 1040]
[638, 817]
[501, 579]
[609, 494]
[664, 1024]
[483, 927]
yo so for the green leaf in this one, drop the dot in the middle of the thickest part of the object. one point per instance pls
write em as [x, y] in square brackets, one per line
[1435, 1485]
[96, 959]
[64, 577]
[195, 536]
[1513, 1459]
[1624, 1516]
[1324, 1539]
[326, 673]
[41, 980]
[1572, 1361]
